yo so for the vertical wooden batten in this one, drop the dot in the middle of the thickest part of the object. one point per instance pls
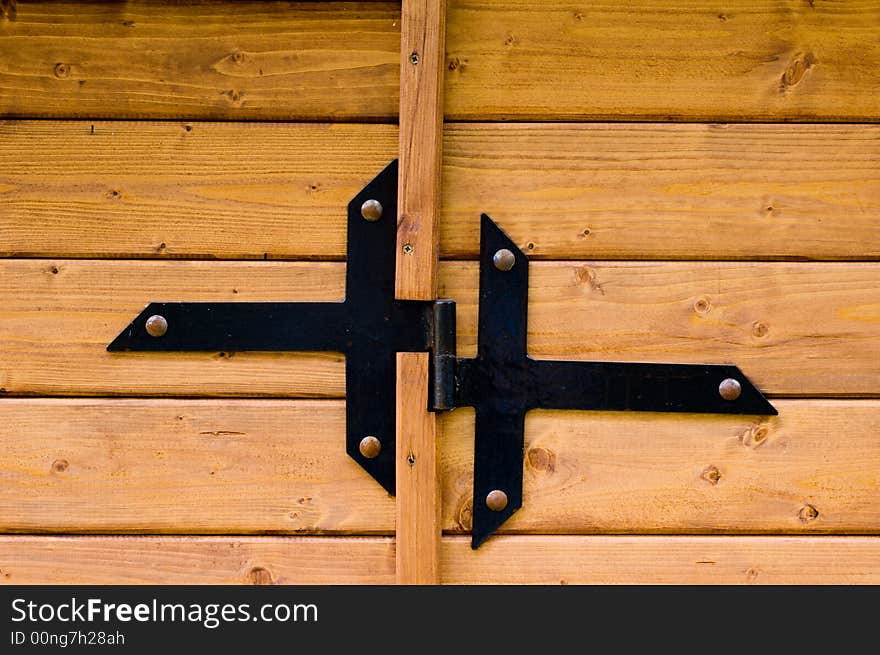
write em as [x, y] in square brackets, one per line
[422, 43]
[423, 27]
[418, 482]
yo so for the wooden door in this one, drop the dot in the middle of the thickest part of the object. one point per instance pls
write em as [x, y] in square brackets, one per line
[695, 183]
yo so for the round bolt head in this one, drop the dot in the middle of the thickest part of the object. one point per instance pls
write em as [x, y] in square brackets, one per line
[504, 260]
[496, 500]
[729, 389]
[156, 326]
[371, 210]
[370, 447]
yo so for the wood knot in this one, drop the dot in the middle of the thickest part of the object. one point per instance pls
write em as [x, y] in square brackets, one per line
[233, 95]
[465, 517]
[752, 574]
[8, 10]
[711, 474]
[60, 465]
[755, 436]
[796, 70]
[113, 194]
[62, 71]
[457, 64]
[770, 209]
[259, 576]
[237, 57]
[541, 459]
[760, 329]
[702, 305]
[53, 269]
[587, 276]
[808, 513]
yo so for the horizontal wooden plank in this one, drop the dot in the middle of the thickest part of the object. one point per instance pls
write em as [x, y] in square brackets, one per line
[173, 190]
[675, 191]
[183, 466]
[562, 191]
[663, 560]
[750, 60]
[196, 560]
[59, 316]
[269, 466]
[216, 60]
[813, 469]
[370, 560]
[793, 328]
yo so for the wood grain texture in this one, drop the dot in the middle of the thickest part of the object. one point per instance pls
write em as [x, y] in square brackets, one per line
[183, 466]
[754, 60]
[800, 329]
[640, 191]
[174, 190]
[813, 469]
[663, 560]
[643, 191]
[418, 475]
[196, 560]
[213, 60]
[793, 329]
[423, 31]
[58, 317]
[267, 466]
[510, 560]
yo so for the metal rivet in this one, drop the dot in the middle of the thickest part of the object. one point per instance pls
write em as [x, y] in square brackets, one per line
[157, 326]
[504, 260]
[496, 500]
[729, 389]
[370, 447]
[408, 249]
[371, 210]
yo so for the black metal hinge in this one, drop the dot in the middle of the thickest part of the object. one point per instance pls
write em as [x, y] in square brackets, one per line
[502, 382]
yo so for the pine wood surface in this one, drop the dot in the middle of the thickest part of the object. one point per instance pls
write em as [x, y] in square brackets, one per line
[212, 60]
[795, 329]
[279, 466]
[518, 560]
[112, 560]
[753, 60]
[562, 191]
[418, 494]
[813, 469]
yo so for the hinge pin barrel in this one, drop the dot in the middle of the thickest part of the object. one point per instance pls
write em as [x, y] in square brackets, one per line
[443, 361]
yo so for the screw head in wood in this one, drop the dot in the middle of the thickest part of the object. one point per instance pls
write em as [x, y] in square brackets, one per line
[496, 500]
[370, 447]
[504, 260]
[729, 389]
[408, 249]
[371, 210]
[156, 326]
